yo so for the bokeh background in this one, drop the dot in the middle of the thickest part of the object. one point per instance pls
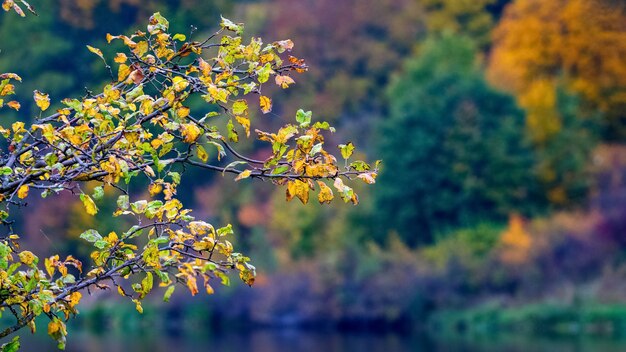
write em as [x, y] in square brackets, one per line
[498, 222]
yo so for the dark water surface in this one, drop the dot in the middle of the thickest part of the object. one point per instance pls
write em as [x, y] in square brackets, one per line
[311, 341]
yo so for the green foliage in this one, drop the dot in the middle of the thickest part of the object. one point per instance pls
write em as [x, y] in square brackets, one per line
[470, 248]
[455, 149]
[470, 18]
[563, 160]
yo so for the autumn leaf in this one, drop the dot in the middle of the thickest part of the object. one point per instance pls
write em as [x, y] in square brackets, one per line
[120, 58]
[141, 48]
[136, 76]
[22, 192]
[75, 298]
[205, 67]
[27, 257]
[90, 206]
[283, 45]
[245, 123]
[243, 174]
[95, 51]
[284, 81]
[368, 177]
[14, 105]
[123, 72]
[41, 99]
[182, 112]
[14, 76]
[326, 194]
[154, 189]
[190, 132]
[179, 83]
[202, 154]
[265, 103]
[298, 189]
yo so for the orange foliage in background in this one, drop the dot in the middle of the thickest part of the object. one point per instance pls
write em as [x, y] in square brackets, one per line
[515, 241]
[582, 42]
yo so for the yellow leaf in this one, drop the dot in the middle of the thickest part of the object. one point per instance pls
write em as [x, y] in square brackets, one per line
[27, 257]
[120, 58]
[265, 103]
[326, 194]
[95, 51]
[22, 192]
[155, 188]
[75, 298]
[54, 326]
[191, 284]
[138, 307]
[202, 154]
[7, 89]
[190, 132]
[245, 123]
[182, 112]
[179, 83]
[204, 67]
[298, 189]
[89, 204]
[123, 72]
[42, 100]
[18, 127]
[141, 48]
[243, 174]
[49, 263]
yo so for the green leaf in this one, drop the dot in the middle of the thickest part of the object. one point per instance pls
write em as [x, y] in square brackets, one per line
[232, 26]
[147, 283]
[316, 149]
[175, 176]
[232, 165]
[360, 165]
[263, 74]
[123, 202]
[226, 230]
[346, 150]
[303, 118]
[98, 193]
[180, 37]
[168, 293]
[157, 24]
[232, 134]
[139, 207]
[240, 107]
[6, 171]
[12, 346]
[101, 244]
[91, 235]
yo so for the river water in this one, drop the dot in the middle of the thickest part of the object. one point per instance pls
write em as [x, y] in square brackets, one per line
[269, 340]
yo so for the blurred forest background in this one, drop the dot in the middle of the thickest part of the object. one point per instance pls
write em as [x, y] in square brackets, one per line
[502, 129]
